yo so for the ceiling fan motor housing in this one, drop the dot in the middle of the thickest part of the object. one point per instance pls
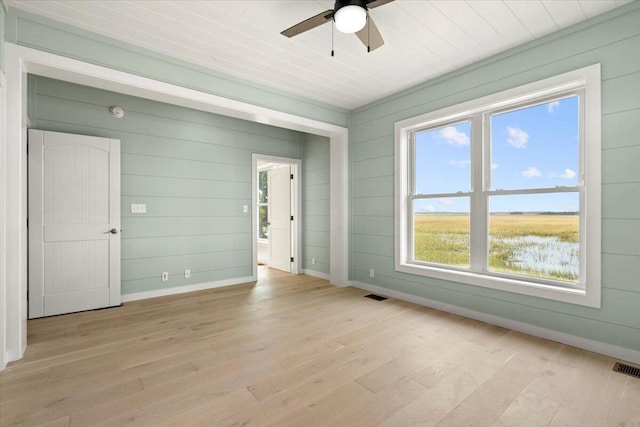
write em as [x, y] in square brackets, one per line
[342, 3]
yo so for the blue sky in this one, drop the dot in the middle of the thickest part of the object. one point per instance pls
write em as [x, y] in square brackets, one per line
[535, 147]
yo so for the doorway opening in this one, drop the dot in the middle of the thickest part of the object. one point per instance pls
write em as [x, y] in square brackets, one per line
[21, 60]
[276, 213]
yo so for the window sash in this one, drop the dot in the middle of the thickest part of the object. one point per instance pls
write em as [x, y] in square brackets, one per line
[261, 239]
[481, 191]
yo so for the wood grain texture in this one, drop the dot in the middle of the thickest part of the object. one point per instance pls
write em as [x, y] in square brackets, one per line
[295, 351]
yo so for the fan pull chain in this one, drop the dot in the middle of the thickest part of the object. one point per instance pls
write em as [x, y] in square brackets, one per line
[368, 34]
[332, 25]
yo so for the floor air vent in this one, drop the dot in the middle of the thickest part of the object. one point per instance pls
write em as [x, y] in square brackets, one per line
[376, 297]
[627, 370]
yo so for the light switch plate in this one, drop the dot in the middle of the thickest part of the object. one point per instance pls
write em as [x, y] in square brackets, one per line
[245, 208]
[138, 208]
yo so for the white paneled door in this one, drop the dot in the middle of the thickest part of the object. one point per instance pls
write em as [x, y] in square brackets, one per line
[74, 223]
[280, 218]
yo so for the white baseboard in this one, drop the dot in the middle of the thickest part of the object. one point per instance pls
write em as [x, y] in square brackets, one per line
[317, 274]
[188, 288]
[615, 351]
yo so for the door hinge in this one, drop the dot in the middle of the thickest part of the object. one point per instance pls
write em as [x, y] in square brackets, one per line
[291, 176]
[291, 259]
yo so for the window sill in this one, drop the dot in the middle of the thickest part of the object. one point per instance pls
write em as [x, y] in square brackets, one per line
[540, 290]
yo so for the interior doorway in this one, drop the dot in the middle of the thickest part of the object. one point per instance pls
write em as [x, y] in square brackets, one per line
[21, 60]
[276, 208]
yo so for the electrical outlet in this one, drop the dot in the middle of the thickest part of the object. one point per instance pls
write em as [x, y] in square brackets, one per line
[165, 276]
[245, 208]
[187, 274]
[313, 261]
[371, 273]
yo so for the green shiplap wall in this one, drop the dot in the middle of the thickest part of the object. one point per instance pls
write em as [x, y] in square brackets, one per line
[612, 40]
[3, 13]
[30, 30]
[315, 202]
[192, 169]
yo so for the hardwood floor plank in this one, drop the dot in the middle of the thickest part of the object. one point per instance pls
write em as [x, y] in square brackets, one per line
[491, 398]
[443, 396]
[528, 409]
[382, 405]
[208, 413]
[381, 377]
[327, 409]
[295, 351]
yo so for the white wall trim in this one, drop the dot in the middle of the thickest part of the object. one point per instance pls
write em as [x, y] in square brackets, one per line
[296, 204]
[339, 209]
[185, 289]
[15, 202]
[317, 274]
[3, 228]
[20, 60]
[615, 351]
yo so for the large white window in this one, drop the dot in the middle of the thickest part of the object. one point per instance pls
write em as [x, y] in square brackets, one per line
[504, 191]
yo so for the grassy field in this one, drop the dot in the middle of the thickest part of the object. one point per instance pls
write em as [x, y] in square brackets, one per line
[534, 245]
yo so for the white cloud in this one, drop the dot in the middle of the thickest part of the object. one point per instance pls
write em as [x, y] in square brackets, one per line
[429, 208]
[460, 163]
[517, 137]
[568, 174]
[453, 136]
[446, 202]
[552, 106]
[531, 172]
[494, 166]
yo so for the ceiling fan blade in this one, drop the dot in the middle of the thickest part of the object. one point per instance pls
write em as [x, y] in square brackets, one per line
[370, 35]
[375, 3]
[308, 24]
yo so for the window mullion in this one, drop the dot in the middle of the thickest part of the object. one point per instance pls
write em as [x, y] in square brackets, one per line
[410, 246]
[479, 182]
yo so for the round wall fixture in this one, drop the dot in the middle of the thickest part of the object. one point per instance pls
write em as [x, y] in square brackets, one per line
[117, 112]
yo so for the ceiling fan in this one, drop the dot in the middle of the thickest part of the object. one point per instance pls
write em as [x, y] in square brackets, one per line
[350, 16]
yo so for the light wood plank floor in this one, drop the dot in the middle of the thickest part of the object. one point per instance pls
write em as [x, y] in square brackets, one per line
[295, 351]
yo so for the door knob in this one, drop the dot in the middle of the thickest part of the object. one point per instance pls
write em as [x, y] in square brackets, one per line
[112, 231]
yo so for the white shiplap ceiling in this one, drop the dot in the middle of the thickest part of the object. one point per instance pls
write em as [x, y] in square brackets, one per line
[423, 39]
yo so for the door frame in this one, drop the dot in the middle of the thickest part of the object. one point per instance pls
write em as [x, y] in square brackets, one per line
[20, 60]
[296, 209]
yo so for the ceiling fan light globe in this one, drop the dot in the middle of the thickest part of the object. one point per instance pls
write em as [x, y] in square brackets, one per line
[350, 19]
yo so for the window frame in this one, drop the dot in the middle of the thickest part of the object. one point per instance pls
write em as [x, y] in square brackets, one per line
[261, 204]
[586, 82]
